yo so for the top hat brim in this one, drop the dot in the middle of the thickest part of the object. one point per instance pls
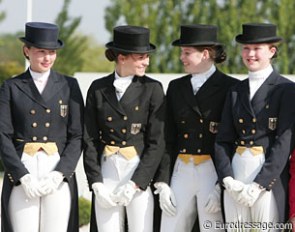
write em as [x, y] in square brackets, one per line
[202, 43]
[138, 50]
[59, 44]
[241, 39]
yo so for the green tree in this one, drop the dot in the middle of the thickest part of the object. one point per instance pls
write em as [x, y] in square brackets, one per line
[69, 58]
[164, 17]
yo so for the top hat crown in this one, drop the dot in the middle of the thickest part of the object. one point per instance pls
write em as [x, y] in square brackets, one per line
[42, 35]
[131, 39]
[197, 35]
[258, 33]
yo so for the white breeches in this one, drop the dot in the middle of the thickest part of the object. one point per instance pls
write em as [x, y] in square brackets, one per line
[42, 214]
[245, 167]
[116, 171]
[191, 185]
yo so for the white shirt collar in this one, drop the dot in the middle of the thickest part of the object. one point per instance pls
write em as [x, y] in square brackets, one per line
[261, 74]
[40, 77]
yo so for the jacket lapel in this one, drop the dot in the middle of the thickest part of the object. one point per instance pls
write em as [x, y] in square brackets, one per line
[261, 97]
[187, 91]
[54, 84]
[133, 91]
[27, 85]
[110, 94]
[210, 87]
[244, 96]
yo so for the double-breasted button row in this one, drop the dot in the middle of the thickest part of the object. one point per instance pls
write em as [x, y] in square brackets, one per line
[33, 111]
[241, 120]
[110, 118]
[123, 142]
[35, 138]
[35, 124]
[242, 142]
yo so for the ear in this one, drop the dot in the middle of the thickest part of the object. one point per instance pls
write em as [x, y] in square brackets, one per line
[121, 59]
[206, 54]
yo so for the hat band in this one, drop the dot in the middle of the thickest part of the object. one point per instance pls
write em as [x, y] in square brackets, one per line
[133, 48]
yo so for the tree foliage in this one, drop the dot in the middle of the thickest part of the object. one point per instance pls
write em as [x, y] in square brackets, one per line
[69, 58]
[164, 18]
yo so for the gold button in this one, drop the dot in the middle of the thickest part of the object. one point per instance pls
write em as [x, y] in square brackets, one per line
[33, 111]
[34, 124]
[47, 124]
[100, 132]
[241, 120]
[48, 111]
[182, 122]
[45, 138]
[200, 136]
[124, 131]
[111, 130]
[251, 142]
[125, 118]
[267, 106]
[60, 101]
[243, 131]
[201, 121]
[183, 150]
[136, 108]
[254, 120]
[185, 136]
[253, 131]
[109, 119]
[243, 142]
[124, 142]
[113, 142]
[199, 150]
[34, 138]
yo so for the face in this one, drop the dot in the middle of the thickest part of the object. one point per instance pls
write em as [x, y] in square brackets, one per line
[257, 56]
[41, 60]
[195, 61]
[133, 64]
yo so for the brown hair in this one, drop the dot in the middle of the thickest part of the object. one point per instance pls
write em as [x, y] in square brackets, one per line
[217, 53]
[112, 55]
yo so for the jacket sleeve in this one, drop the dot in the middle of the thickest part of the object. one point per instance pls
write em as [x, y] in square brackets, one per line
[225, 140]
[72, 152]
[154, 140]
[11, 160]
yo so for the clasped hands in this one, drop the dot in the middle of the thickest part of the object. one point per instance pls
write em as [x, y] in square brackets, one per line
[244, 194]
[36, 188]
[121, 196]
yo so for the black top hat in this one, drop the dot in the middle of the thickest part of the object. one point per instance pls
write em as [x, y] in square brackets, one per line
[131, 39]
[42, 35]
[197, 35]
[258, 33]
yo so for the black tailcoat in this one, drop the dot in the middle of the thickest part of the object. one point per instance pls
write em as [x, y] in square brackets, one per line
[136, 120]
[265, 121]
[26, 116]
[192, 122]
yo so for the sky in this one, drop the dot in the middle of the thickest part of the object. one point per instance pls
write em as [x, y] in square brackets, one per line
[91, 11]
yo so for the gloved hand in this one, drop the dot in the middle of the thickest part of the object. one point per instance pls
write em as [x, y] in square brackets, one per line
[249, 194]
[213, 204]
[51, 182]
[233, 187]
[166, 198]
[125, 193]
[31, 186]
[102, 195]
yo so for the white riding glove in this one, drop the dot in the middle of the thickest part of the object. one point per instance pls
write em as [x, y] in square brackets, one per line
[50, 183]
[166, 198]
[31, 186]
[250, 194]
[233, 187]
[102, 195]
[124, 194]
[213, 204]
